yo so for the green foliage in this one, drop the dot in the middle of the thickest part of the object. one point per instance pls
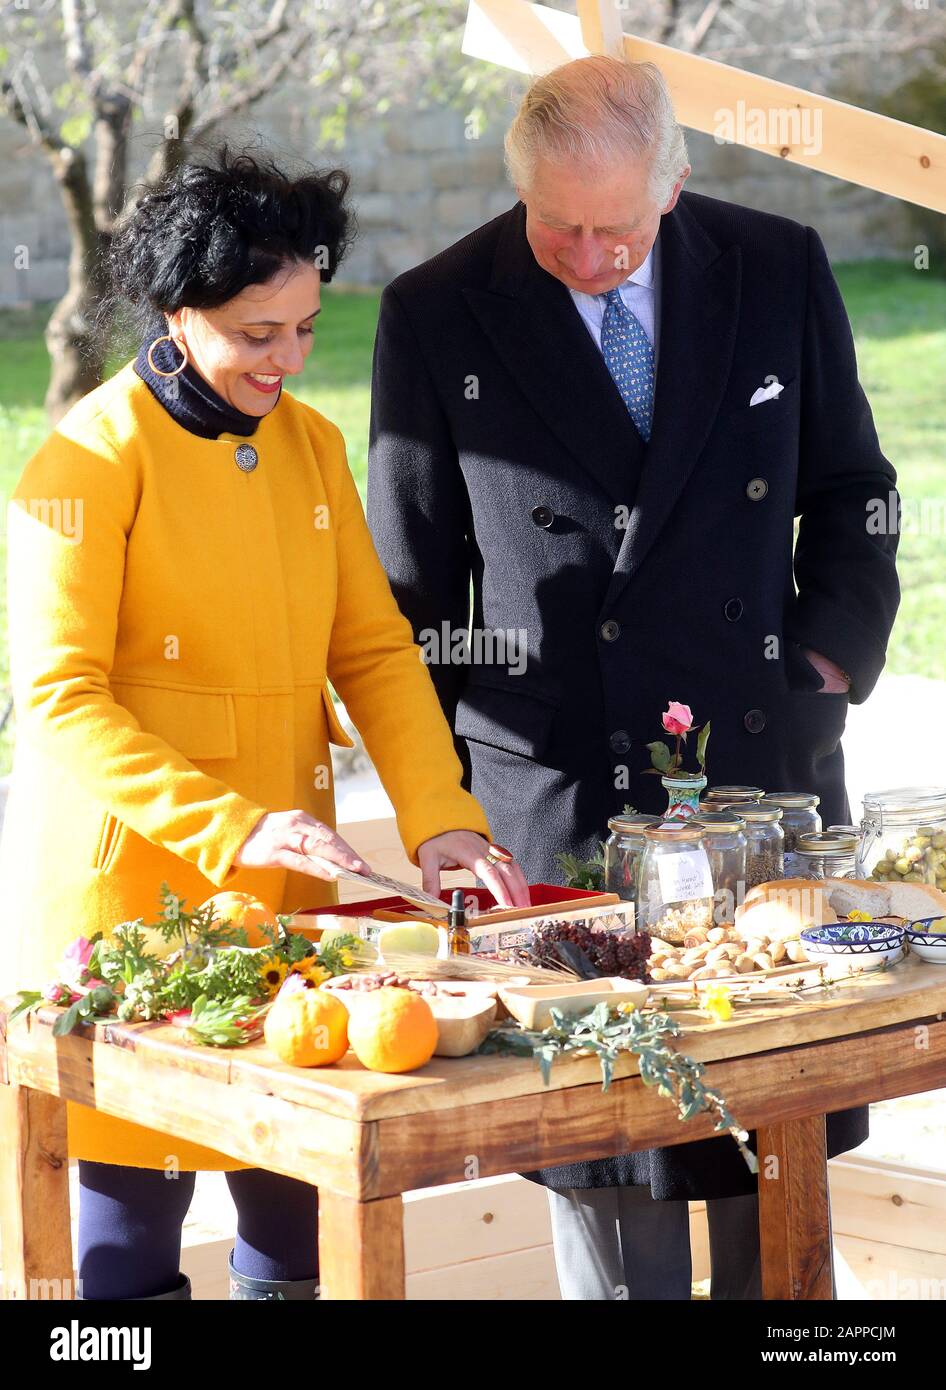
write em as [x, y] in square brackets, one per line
[606, 1032]
[587, 873]
[582, 873]
[231, 1024]
[212, 973]
[701, 741]
[29, 999]
[662, 759]
[341, 953]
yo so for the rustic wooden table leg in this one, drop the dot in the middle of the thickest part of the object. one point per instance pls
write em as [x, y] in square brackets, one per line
[361, 1247]
[35, 1244]
[794, 1216]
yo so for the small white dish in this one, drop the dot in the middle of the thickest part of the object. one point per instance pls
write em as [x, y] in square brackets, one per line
[532, 1005]
[854, 946]
[925, 943]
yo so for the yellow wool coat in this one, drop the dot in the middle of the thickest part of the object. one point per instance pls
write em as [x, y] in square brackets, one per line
[173, 624]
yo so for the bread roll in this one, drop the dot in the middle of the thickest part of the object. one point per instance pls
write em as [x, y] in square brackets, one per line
[817, 902]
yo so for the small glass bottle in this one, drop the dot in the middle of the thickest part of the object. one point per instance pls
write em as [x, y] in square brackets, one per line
[459, 933]
[765, 843]
[725, 843]
[799, 817]
[622, 854]
[675, 885]
[826, 856]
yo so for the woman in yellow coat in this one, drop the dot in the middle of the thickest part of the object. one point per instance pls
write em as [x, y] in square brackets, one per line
[189, 567]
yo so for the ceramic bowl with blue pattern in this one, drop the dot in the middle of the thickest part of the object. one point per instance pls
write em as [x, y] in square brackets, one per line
[927, 938]
[865, 945]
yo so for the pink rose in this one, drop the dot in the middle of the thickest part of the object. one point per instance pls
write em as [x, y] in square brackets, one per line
[54, 993]
[79, 953]
[678, 718]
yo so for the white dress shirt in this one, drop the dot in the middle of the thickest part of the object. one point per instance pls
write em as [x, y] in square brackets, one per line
[639, 293]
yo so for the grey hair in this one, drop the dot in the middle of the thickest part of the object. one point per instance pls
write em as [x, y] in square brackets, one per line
[596, 112]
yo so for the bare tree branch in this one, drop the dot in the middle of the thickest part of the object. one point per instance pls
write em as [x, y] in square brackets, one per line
[253, 93]
[694, 34]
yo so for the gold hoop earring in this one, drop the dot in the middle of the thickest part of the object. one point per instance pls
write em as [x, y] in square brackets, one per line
[181, 347]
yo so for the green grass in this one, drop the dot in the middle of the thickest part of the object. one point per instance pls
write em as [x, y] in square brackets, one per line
[899, 319]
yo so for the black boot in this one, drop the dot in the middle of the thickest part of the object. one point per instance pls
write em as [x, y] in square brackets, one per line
[242, 1286]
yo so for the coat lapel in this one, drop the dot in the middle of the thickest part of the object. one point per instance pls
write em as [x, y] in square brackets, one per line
[533, 324]
[699, 316]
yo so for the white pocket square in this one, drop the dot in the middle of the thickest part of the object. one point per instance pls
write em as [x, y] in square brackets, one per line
[767, 393]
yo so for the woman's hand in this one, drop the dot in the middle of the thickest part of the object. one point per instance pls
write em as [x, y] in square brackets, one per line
[464, 849]
[285, 839]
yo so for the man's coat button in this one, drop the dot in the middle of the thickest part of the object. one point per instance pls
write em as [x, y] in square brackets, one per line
[610, 630]
[756, 489]
[543, 516]
[620, 741]
[754, 721]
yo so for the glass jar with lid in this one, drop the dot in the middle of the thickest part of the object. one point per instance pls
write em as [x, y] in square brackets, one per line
[725, 843]
[826, 855]
[799, 817]
[622, 854]
[765, 843]
[903, 836]
[675, 886]
[717, 798]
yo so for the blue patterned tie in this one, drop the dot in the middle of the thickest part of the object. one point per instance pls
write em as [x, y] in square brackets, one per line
[630, 360]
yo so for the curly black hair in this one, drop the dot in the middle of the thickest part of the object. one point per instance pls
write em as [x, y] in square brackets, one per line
[208, 229]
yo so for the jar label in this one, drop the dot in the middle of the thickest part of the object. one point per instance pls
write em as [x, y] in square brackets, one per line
[685, 876]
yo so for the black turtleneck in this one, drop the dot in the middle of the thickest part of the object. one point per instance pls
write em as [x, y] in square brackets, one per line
[187, 396]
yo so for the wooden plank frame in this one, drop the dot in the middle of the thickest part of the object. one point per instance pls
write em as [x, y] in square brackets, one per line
[860, 146]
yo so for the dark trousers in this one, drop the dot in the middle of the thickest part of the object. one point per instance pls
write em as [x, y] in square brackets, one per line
[130, 1222]
[618, 1243]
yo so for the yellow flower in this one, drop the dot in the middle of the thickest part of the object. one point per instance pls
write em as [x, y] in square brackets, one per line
[859, 915]
[310, 969]
[272, 974]
[716, 1001]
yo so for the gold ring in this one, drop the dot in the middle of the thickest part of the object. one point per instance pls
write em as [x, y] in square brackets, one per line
[496, 854]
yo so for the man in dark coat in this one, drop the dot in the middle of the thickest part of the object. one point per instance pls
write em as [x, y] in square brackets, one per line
[564, 447]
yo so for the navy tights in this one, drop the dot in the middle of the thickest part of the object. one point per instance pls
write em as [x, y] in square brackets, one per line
[130, 1223]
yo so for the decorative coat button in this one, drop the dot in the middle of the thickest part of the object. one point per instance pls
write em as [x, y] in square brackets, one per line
[610, 630]
[733, 610]
[754, 721]
[543, 516]
[246, 458]
[620, 741]
[756, 489]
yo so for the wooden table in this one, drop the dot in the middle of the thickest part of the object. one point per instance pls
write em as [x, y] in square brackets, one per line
[365, 1138]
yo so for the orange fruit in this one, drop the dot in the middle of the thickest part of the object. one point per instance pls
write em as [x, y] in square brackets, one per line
[392, 1029]
[307, 1028]
[243, 910]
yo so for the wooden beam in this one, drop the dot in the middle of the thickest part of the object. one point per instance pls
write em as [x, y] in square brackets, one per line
[35, 1243]
[601, 30]
[816, 132]
[794, 1220]
[361, 1247]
